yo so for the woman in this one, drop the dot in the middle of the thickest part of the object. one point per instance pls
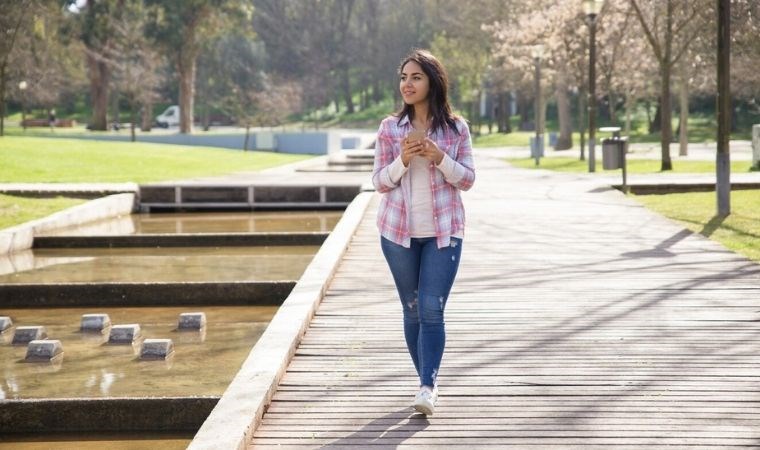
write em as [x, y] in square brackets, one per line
[423, 158]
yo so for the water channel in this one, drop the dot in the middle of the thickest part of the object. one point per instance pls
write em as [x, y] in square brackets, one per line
[203, 362]
[219, 222]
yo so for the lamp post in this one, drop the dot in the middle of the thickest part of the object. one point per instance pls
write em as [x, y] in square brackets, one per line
[537, 53]
[591, 8]
[22, 85]
[723, 157]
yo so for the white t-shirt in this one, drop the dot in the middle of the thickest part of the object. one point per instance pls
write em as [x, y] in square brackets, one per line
[421, 224]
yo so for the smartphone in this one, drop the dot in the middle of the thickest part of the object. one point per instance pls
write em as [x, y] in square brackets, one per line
[416, 135]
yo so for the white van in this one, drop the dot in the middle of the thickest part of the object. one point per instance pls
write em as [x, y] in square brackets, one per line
[168, 118]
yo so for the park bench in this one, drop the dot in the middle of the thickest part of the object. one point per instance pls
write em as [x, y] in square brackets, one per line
[61, 123]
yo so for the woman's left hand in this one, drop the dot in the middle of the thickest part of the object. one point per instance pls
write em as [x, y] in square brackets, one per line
[431, 152]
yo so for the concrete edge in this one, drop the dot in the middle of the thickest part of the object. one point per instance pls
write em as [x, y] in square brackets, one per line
[51, 415]
[237, 415]
[115, 294]
[21, 237]
[184, 240]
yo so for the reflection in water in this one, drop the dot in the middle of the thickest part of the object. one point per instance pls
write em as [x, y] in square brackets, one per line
[106, 381]
[91, 369]
[220, 222]
[99, 441]
[218, 264]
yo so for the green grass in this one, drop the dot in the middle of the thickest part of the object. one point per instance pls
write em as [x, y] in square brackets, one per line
[642, 166]
[17, 210]
[740, 231]
[37, 160]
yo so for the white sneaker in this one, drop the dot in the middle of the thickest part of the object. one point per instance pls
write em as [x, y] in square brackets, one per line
[424, 401]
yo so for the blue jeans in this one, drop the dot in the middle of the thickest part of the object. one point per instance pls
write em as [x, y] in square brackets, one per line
[424, 274]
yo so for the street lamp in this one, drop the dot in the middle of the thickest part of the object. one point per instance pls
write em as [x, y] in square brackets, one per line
[591, 8]
[538, 52]
[22, 85]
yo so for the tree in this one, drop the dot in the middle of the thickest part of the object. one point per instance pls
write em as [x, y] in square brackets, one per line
[44, 58]
[95, 29]
[556, 28]
[135, 63]
[12, 21]
[666, 26]
[180, 26]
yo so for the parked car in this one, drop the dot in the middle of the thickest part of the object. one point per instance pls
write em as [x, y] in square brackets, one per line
[168, 118]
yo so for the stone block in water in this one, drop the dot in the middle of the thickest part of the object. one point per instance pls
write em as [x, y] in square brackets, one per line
[124, 334]
[5, 323]
[25, 335]
[192, 321]
[44, 350]
[157, 349]
[95, 323]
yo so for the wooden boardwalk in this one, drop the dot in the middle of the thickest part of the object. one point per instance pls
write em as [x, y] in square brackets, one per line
[578, 320]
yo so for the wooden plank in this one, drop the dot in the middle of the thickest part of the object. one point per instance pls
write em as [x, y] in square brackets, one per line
[578, 320]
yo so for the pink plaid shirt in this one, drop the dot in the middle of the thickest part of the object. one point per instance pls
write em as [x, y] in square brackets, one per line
[448, 211]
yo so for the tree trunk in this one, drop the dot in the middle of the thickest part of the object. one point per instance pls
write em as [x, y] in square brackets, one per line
[206, 117]
[523, 107]
[565, 139]
[666, 132]
[2, 100]
[346, 84]
[612, 104]
[115, 113]
[147, 116]
[100, 75]
[502, 112]
[186, 69]
[683, 123]
[628, 107]
[132, 120]
[377, 92]
[655, 123]
[582, 123]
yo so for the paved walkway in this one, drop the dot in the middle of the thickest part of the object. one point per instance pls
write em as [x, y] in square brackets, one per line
[703, 151]
[579, 320]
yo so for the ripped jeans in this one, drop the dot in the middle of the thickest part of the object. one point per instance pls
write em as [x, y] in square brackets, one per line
[424, 275]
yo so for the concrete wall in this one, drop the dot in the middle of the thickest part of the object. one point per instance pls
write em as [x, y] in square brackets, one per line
[21, 237]
[310, 142]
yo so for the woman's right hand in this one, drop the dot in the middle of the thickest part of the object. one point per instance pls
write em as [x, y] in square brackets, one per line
[409, 149]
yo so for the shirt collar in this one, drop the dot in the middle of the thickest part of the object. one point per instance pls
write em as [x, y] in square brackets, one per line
[404, 121]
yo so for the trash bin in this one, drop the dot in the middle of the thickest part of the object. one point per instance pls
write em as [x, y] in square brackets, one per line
[536, 147]
[612, 153]
[553, 139]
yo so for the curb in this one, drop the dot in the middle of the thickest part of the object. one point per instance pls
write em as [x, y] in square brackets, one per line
[21, 237]
[237, 415]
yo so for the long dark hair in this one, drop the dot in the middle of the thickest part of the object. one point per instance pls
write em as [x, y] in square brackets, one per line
[438, 99]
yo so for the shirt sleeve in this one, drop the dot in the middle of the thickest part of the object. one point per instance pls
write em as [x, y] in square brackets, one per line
[384, 158]
[459, 171]
[451, 171]
[396, 170]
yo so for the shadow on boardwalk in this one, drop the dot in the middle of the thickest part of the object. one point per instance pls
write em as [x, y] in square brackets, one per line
[579, 320]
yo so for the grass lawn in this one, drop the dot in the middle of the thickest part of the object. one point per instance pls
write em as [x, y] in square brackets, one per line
[739, 232]
[17, 210]
[37, 160]
[648, 166]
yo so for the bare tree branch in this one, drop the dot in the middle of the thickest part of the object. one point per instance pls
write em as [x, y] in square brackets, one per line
[650, 37]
